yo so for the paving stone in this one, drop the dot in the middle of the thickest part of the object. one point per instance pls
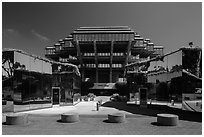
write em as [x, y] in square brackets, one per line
[41, 125]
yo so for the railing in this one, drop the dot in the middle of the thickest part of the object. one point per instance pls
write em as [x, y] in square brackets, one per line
[159, 51]
[118, 54]
[89, 54]
[50, 51]
[58, 47]
[68, 44]
[103, 65]
[139, 43]
[103, 54]
[104, 37]
[150, 47]
[67, 59]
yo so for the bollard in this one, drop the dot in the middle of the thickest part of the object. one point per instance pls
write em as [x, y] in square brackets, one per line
[97, 106]
[172, 102]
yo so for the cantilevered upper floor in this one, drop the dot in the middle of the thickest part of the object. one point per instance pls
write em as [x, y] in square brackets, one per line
[119, 42]
[103, 48]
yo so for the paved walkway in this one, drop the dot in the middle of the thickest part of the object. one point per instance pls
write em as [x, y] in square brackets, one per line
[138, 121]
[88, 125]
[82, 108]
[88, 108]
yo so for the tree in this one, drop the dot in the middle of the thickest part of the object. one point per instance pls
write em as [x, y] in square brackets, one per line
[191, 61]
[176, 68]
[7, 63]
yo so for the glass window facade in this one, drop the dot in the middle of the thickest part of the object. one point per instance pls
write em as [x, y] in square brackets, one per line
[32, 90]
[30, 85]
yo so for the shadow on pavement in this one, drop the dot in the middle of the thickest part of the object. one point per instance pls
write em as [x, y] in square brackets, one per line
[106, 121]
[60, 121]
[156, 124]
[153, 110]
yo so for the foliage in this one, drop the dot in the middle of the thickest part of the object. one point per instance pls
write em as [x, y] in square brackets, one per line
[91, 95]
[7, 58]
[118, 98]
[191, 61]
[85, 98]
[176, 68]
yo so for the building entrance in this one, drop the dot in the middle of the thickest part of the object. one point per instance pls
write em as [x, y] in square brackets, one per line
[103, 76]
[55, 95]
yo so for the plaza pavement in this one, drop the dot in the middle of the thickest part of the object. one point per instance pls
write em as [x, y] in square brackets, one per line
[139, 121]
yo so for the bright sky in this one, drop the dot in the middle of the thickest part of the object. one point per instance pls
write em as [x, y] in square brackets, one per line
[33, 26]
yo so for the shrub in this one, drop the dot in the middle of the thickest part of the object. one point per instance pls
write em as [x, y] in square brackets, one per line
[118, 98]
[91, 95]
[85, 98]
[77, 96]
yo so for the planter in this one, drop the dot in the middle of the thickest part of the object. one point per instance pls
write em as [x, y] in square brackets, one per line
[17, 119]
[70, 117]
[167, 119]
[116, 118]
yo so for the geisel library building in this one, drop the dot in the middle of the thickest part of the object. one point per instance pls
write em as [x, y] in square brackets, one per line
[106, 57]
[101, 54]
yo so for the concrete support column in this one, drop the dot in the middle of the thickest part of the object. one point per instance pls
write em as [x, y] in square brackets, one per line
[82, 74]
[111, 62]
[96, 60]
[80, 58]
[127, 55]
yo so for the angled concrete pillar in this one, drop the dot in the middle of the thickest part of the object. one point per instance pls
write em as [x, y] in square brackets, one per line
[111, 62]
[127, 55]
[96, 60]
[80, 58]
[79, 52]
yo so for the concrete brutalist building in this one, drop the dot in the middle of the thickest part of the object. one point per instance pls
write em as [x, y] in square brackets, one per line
[101, 53]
